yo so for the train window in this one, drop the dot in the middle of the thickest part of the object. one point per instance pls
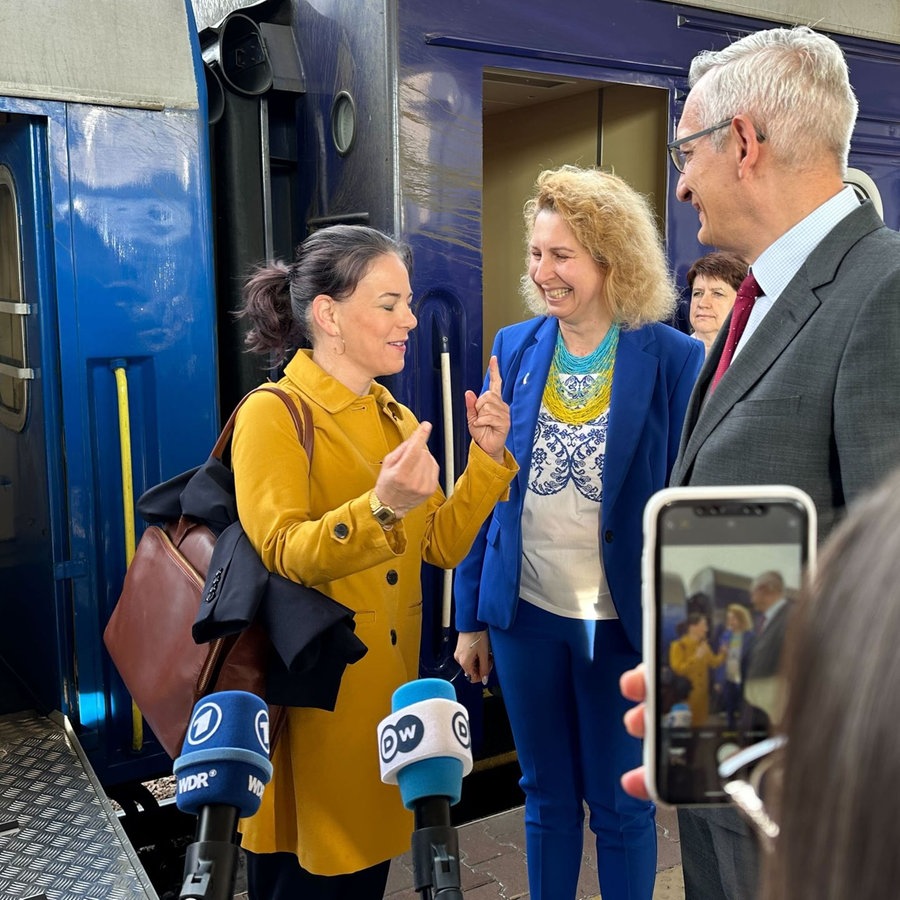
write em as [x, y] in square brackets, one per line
[13, 365]
[865, 188]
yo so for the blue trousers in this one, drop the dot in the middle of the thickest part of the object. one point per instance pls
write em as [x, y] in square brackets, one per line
[560, 681]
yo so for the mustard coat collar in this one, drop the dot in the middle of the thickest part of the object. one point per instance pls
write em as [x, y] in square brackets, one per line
[326, 391]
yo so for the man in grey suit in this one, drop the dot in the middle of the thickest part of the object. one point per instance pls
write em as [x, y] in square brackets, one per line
[762, 690]
[812, 395]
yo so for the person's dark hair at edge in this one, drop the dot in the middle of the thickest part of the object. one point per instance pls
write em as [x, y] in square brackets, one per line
[838, 828]
[277, 297]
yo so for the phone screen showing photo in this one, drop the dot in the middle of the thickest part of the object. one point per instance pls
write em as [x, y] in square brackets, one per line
[726, 577]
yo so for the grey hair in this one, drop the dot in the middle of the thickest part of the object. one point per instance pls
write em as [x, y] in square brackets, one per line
[794, 86]
[771, 581]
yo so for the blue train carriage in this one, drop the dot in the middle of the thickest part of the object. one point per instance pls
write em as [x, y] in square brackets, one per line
[432, 119]
[142, 178]
[108, 366]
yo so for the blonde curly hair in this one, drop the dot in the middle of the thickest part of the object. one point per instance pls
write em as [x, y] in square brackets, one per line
[616, 225]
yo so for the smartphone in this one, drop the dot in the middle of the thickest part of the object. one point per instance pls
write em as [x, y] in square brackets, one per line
[722, 567]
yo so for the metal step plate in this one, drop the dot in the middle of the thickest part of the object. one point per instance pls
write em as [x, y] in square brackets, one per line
[59, 835]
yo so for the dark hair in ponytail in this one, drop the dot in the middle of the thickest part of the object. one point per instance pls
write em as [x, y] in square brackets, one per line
[277, 298]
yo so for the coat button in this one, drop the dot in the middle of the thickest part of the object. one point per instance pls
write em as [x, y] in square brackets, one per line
[392, 576]
[608, 536]
[393, 637]
[341, 530]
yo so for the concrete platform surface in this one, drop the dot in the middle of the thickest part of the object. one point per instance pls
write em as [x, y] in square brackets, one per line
[493, 862]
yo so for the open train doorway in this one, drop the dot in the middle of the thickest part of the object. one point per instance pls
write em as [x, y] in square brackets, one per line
[29, 443]
[533, 121]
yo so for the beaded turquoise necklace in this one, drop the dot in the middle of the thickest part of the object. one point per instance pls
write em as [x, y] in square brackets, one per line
[578, 400]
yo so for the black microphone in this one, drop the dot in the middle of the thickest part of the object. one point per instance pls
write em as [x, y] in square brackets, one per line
[425, 747]
[221, 774]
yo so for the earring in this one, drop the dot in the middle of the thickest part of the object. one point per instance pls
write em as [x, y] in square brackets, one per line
[343, 345]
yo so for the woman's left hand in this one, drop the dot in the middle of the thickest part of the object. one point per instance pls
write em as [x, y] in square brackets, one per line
[473, 653]
[488, 415]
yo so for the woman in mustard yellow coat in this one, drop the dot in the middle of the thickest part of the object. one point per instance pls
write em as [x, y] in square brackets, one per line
[356, 525]
[693, 658]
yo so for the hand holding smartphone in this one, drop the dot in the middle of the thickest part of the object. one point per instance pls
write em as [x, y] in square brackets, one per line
[721, 569]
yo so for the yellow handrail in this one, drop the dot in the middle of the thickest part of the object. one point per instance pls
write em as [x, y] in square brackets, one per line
[118, 367]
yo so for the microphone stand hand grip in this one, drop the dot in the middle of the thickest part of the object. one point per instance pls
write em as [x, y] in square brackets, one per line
[435, 851]
[211, 862]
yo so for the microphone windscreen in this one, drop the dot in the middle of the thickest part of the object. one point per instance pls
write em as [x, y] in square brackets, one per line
[425, 745]
[225, 756]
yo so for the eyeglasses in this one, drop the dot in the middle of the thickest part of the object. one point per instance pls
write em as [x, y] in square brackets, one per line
[674, 147]
[747, 793]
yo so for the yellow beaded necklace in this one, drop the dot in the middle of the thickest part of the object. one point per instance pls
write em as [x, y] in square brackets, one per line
[584, 395]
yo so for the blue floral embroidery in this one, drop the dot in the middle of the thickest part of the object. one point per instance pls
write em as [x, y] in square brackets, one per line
[563, 453]
[578, 386]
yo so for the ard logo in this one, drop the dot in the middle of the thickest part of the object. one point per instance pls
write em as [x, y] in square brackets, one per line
[204, 723]
[261, 727]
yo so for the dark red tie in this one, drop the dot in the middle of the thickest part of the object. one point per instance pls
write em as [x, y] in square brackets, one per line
[740, 315]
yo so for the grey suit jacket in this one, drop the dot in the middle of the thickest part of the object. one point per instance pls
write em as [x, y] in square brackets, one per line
[765, 656]
[813, 398]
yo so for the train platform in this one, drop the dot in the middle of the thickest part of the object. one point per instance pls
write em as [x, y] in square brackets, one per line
[492, 851]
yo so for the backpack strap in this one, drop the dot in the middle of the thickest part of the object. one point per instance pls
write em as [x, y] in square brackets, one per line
[304, 428]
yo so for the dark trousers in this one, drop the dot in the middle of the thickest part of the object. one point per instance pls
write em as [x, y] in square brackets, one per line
[732, 698]
[719, 856]
[279, 876]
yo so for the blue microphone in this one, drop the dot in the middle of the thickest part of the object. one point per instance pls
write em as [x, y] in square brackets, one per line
[425, 748]
[220, 777]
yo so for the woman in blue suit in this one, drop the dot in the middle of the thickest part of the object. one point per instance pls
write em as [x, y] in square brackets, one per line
[551, 591]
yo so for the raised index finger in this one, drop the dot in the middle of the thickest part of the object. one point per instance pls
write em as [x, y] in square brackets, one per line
[495, 386]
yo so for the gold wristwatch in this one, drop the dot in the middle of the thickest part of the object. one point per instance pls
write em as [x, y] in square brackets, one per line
[384, 515]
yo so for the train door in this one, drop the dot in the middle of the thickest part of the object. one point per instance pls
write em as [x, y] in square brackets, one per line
[29, 443]
[534, 121]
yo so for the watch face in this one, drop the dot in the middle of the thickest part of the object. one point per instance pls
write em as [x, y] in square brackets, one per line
[384, 515]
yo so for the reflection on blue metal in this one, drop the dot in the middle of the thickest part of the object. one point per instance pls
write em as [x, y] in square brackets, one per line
[122, 270]
[91, 711]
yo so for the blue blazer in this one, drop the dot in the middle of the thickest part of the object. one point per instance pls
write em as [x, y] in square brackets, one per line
[654, 372]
